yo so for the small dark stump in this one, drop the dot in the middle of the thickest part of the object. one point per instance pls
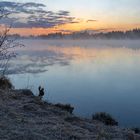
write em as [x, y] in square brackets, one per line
[41, 91]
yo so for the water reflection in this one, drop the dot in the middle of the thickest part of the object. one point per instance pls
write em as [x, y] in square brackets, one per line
[94, 76]
[36, 58]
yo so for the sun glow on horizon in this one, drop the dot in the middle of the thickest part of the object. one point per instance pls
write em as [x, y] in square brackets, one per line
[44, 17]
[69, 28]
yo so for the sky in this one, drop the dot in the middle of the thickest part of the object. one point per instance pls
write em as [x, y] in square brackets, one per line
[32, 17]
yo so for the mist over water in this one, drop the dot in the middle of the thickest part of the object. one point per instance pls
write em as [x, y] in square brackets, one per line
[92, 75]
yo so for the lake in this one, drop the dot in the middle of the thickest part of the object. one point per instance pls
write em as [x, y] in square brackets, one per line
[92, 75]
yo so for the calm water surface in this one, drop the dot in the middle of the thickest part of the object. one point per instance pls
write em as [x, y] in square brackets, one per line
[93, 76]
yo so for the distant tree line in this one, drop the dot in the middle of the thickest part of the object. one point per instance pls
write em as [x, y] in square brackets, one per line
[130, 34]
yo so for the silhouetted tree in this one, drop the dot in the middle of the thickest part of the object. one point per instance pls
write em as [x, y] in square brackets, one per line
[7, 45]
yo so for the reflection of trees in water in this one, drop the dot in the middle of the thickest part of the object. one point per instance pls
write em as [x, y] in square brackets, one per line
[37, 59]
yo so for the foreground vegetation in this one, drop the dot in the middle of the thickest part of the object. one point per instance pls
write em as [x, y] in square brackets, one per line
[24, 116]
[5, 83]
[105, 118]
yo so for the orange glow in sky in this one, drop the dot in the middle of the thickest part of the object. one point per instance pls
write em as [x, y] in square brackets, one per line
[68, 28]
[74, 15]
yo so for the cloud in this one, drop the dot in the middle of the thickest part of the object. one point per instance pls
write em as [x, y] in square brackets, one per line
[104, 30]
[91, 20]
[66, 31]
[33, 15]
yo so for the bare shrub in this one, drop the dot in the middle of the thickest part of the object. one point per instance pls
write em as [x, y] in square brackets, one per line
[7, 45]
[106, 118]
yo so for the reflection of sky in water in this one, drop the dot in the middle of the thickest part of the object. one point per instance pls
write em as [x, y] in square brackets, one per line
[94, 76]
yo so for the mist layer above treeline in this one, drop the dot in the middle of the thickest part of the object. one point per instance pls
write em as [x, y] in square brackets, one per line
[130, 34]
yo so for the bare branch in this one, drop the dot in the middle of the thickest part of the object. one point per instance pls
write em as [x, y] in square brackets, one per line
[3, 13]
[7, 45]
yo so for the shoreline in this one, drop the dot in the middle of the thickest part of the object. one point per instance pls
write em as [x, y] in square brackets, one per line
[23, 116]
